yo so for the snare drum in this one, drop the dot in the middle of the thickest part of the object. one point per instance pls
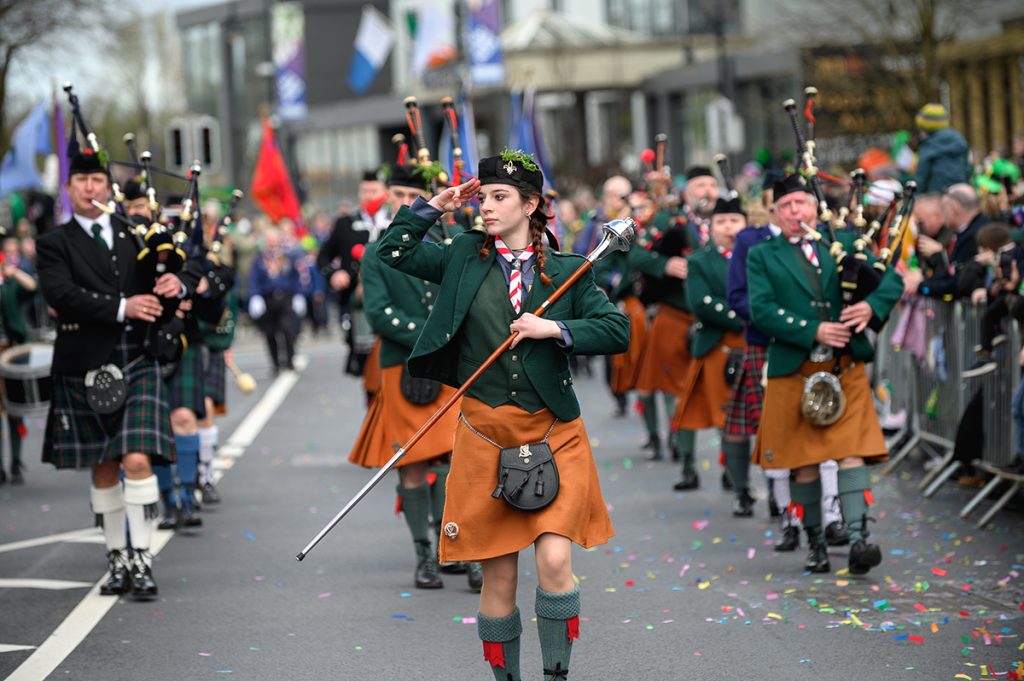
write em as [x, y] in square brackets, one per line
[27, 386]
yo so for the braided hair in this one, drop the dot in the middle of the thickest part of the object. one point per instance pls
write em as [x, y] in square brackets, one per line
[538, 227]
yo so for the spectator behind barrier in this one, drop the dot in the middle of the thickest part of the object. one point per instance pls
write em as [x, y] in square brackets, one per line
[993, 280]
[942, 157]
[963, 218]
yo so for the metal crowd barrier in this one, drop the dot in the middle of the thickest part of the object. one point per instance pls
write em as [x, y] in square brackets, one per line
[932, 395]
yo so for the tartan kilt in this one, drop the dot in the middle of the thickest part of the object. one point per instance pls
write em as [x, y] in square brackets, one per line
[215, 379]
[78, 437]
[185, 387]
[743, 412]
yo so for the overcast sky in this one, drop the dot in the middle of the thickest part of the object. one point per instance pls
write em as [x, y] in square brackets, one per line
[33, 79]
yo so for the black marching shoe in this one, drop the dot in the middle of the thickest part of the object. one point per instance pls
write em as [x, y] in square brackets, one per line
[817, 557]
[743, 505]
[654, 447]
[427, 576]
[117, 583]
[864, 556]
[726, 482]
[456, 568]
[475, 574]
[773, 506]
[143, 585]
[790, 540]
[210, 494]
[3, 476]
[16, 477]
[690, 481]
[836, 534]
[171, 520]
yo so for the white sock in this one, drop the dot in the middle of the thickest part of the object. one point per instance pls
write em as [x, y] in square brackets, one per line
[780, 486]
[109, 503]
[207, 448]
[829, 471]
[138, 494]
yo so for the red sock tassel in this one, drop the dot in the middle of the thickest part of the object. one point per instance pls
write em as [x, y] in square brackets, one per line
[431, 478]
[494, 653]
[573, 625]
[721, 458]
[22, 431]
[398, 505]
[869, 498]
[796, 510]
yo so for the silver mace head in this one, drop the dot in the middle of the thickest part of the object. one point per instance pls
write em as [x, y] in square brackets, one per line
[618, 234]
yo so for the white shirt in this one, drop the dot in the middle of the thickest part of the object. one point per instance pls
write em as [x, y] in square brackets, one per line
[107, 233]
[103, 221]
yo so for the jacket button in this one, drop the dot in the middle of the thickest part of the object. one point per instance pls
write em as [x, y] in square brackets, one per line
[405, 237]
[395, 253]
[515, 377]
[707, 300]
[388, 310]
[412, 325]
[718, 307]
[394, 322]
[515, 358]
[512, 394]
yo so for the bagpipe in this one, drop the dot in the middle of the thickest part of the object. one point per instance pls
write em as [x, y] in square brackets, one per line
[674, 240]
[858, 277]
[160, 245]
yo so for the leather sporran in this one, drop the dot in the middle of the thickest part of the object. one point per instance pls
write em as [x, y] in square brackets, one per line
[106, 389]
[822, 402]
[527, 474]
[734, 366]
[418, 391]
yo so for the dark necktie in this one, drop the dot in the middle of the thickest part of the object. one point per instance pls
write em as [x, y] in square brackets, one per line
[97, 233]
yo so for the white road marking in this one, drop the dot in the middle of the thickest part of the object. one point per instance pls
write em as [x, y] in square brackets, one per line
[91, 610]
[13, 648]
[74, 535]
[47, 584]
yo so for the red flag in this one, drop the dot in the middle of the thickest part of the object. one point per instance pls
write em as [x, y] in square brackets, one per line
[272, 188]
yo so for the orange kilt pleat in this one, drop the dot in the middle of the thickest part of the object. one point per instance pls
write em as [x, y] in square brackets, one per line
[489, 527]
[786, 440]
[372, 370]
[391, 420]
[706, 394]
[626, 364]
[666, 356]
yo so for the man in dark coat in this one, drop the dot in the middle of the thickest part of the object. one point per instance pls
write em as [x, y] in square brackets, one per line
[104, 301]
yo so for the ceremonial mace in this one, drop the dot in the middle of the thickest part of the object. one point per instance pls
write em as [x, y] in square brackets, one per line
[617, 236]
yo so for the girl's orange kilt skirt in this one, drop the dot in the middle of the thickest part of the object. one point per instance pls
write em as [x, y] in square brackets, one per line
[625, 365]
[391, 420]
[786, 440]
[485, 527]
[706, 394]
[666, 356]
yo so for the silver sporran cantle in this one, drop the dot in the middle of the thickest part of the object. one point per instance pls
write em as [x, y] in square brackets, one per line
[822, 402]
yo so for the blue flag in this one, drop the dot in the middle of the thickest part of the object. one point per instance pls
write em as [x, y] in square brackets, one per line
[18, 169]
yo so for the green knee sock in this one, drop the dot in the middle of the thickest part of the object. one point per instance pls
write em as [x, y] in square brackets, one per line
[650, 415]
[737, 462]
[558, 624]
[854, 493]
[685, 442]
[501, 644]
[808, 495]
[416, 508]
[437, 496]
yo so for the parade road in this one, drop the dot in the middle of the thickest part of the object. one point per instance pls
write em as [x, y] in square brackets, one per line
[683, 591]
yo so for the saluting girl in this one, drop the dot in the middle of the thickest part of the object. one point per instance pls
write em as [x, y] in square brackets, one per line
[523, 406]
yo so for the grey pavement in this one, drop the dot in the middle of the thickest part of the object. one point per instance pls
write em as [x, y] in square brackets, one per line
[683, 591]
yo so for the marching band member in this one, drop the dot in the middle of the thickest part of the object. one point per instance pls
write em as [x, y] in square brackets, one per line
[488, 282]
[795, 298]
[397, 306]
[88, 274]
[717, 345]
